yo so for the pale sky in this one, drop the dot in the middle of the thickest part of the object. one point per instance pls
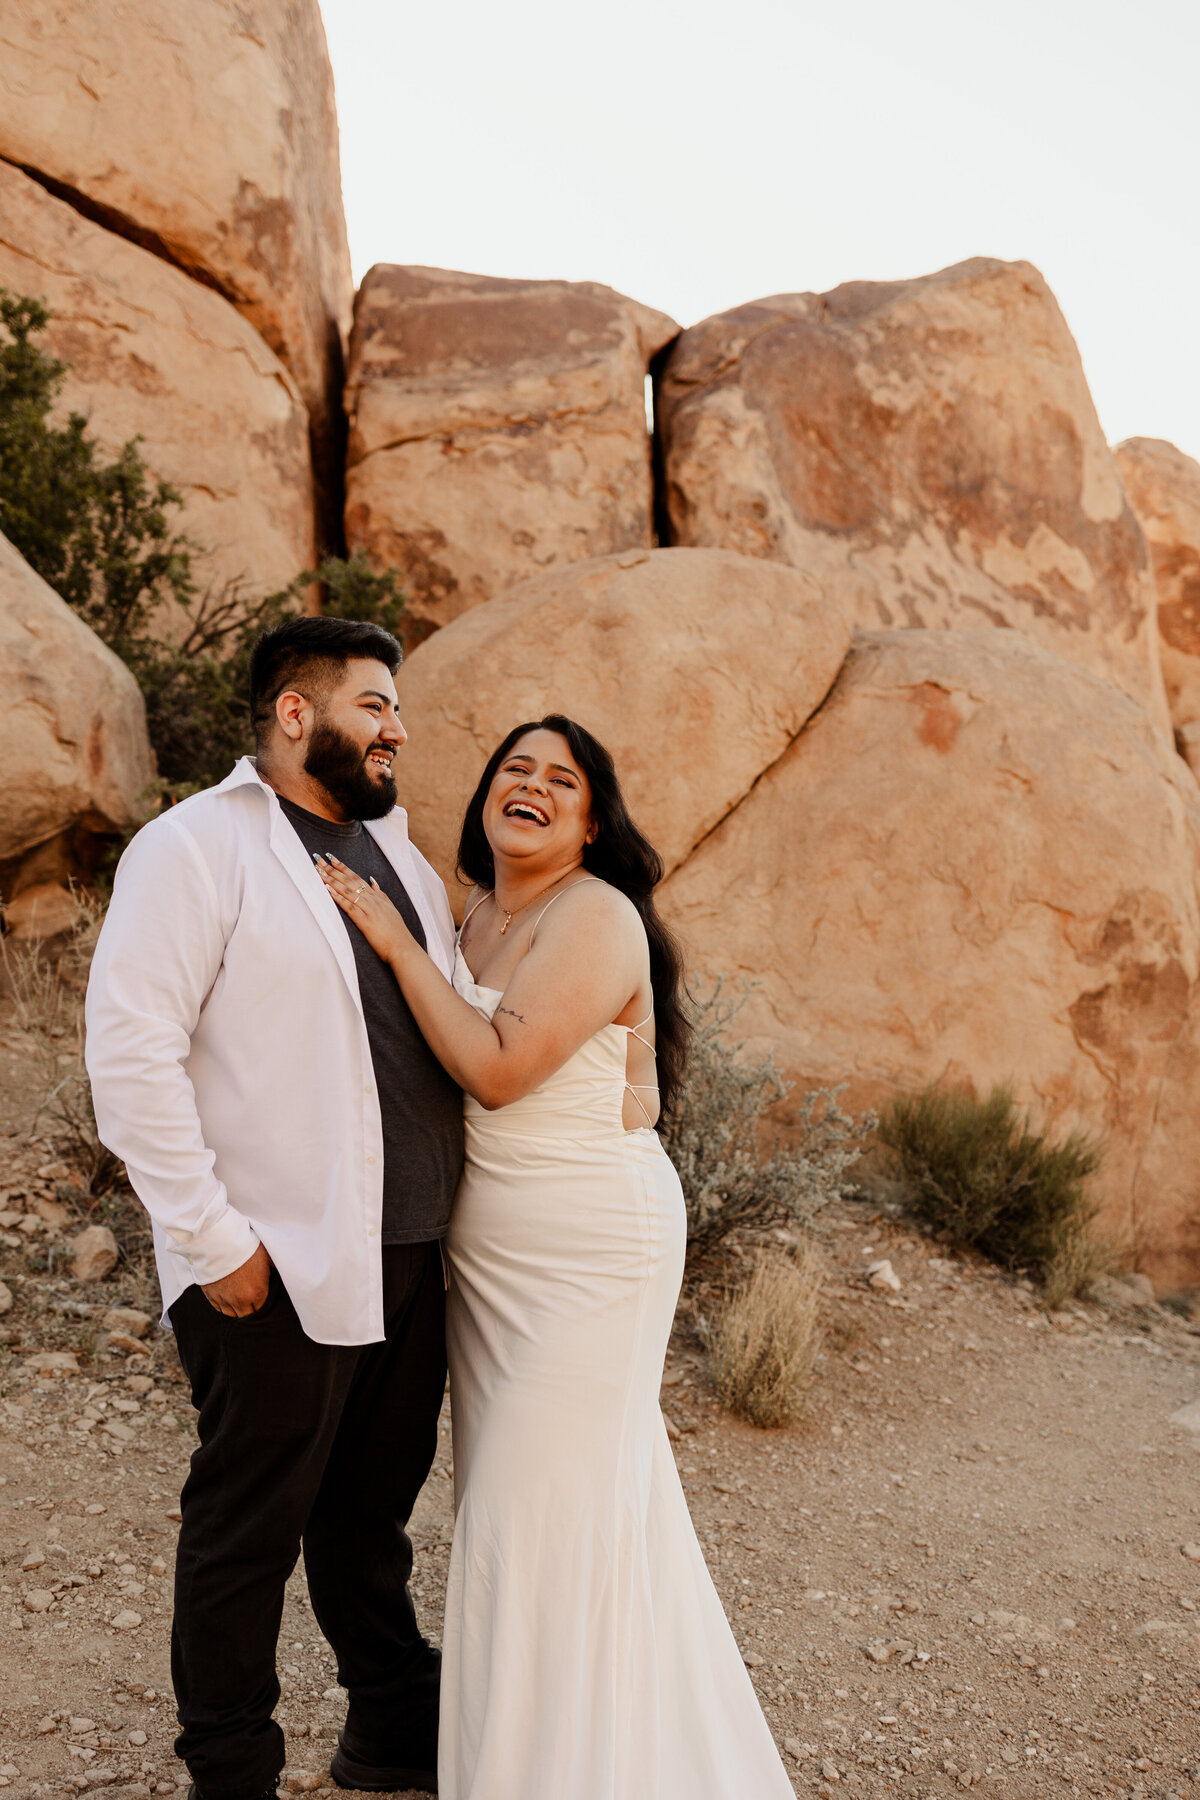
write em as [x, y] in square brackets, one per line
[697, 156]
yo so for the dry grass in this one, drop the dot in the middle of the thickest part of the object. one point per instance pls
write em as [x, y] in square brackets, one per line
[48, 984]
[1081, 1256]
[766, 1339]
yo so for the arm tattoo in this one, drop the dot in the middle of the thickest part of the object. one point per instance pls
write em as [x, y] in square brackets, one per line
[520, 1017]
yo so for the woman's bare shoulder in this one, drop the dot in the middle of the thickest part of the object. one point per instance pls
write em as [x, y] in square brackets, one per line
[599, 903]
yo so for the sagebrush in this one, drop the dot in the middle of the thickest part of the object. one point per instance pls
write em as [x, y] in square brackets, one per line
[766, 1338]
[714, 1136]
[104, 535]
[982, 1177]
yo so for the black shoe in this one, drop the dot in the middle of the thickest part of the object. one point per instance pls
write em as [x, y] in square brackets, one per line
[378, 1778]
[270, 1793]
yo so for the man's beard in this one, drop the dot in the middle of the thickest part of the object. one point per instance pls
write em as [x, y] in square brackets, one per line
[337, 763]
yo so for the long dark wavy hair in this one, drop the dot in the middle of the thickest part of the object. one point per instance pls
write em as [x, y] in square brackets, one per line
[621, 856]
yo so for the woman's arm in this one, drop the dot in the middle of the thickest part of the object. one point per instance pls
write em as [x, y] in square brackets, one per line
[587, 961]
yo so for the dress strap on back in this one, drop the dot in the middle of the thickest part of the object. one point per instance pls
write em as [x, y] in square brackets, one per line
[552, 899]
[638, 1088]
[631, 1088]
[636, 1031]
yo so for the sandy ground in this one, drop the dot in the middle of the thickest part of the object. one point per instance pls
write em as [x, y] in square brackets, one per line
[964, 1569]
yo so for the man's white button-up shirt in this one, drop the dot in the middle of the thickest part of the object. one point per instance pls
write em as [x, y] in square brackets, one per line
[228, 1055]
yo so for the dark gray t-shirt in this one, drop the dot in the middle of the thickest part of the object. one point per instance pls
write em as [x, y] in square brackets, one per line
[421, 1106]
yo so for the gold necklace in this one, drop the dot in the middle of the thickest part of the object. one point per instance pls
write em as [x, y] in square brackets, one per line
[510, 916]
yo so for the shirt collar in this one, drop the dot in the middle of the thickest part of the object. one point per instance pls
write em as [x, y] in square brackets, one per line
[245, 774]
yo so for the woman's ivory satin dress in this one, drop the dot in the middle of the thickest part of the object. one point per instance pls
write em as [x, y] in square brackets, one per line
[586, 1654]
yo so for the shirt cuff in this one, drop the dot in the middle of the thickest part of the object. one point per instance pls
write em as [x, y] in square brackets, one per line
[221, 1248]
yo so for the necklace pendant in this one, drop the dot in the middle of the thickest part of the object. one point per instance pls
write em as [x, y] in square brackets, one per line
[508, 921]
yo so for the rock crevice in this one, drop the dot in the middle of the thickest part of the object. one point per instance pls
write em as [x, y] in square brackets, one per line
[109, 219]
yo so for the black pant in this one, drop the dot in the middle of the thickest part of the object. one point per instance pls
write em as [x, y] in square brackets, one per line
[323, 1444]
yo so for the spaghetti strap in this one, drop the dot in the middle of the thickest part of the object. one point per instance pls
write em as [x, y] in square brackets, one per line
[552, 899]
[475, 905]
[630, 1088]
[636, 1031]
[637, 1088]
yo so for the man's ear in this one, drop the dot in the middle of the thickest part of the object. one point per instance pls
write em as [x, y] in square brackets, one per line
[292, 711]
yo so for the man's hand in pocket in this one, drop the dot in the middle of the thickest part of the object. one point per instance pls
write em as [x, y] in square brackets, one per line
[241, 1293]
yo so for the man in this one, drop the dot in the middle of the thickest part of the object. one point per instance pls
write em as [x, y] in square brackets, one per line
[254, 1064]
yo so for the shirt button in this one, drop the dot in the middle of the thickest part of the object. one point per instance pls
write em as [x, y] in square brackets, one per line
[370, 1162]
[374, 1231]
[368, 1089]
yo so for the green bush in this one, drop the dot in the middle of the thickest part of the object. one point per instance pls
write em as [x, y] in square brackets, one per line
[981, 1176]
[714, 1138]
[102, 534]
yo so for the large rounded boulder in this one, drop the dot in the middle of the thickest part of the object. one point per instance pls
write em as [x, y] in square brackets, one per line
[929, 449]
[695, 667]
[157, 356]
[207, 133]
[75, 760]
[977, 864]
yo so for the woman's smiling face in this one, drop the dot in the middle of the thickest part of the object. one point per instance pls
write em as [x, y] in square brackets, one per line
[539, 806]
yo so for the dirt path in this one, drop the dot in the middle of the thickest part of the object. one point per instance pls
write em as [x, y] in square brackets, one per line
[965, 1569]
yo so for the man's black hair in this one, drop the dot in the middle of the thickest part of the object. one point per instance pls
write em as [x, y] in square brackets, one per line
[309, 654]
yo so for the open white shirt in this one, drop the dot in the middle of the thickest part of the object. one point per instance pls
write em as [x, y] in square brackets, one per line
[228, 1054]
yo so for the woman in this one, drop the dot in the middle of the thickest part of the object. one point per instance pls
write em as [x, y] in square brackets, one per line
[586, 1655]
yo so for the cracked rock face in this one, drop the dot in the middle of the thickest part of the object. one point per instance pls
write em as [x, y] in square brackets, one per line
[695, 668]
[929, 449]
[159, 356]
[497, 428]
[207, 130]
[1164, 490]
[74, 752]
[977, 864]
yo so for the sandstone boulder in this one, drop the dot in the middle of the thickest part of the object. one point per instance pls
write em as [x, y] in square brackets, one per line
[978, 863]
[42, 911]
[94, 1253]
[1164, 490]
[206, 132]
[496, 428]
[695, 667]
[74, 755]
[159, 356]
[929, 449]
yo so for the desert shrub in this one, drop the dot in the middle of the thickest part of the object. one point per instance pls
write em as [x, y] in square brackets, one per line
[980, 1175]
[47, 988]
[103, 534]
[714, 1138]
[99, 532]
[766, 1338]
